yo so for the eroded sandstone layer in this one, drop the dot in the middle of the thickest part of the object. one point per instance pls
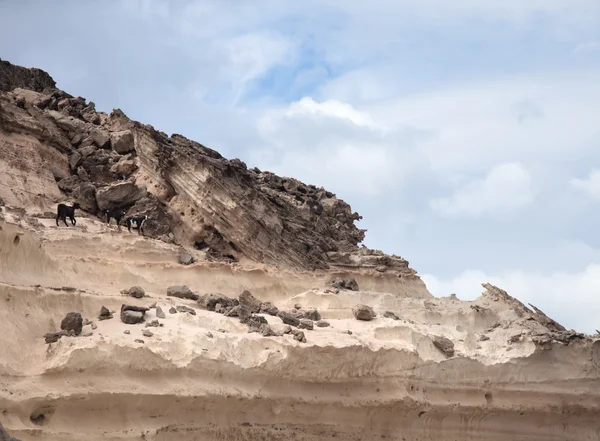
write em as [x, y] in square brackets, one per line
[248, 312]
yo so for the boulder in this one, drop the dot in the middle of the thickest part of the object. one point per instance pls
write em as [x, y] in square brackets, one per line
[123, 141]
[132, 315]
[118, 195]
[247, 299]
[444, 344]
[70, 184]
[268, 308]
[74, 160]
[209, 301]
[363, 312]
[181, 292]
[186, 258]
[53, 337]
[306, 324]
[160, 313]
[349, 284]
[240, 311]
[85, 195]
[105, 314]
[299, 335]
[100, 138]
[135, 291]
[124, 167]
[312, 314]
[390, 315]
[73, 322]
[288, 318]
[182, 308]
[172, 310]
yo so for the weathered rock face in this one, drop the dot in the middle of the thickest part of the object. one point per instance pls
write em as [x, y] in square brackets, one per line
[4, 436]
[190, 193]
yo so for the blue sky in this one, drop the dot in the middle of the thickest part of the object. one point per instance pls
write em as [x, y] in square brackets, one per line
[466, 133]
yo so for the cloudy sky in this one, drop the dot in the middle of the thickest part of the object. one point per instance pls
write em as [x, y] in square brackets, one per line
[466, 132]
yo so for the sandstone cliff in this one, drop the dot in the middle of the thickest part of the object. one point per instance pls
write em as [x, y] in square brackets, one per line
[275, 324]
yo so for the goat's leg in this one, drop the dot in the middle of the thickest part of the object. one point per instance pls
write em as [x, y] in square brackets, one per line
[57, 220]
[73, 221]
[64, 219]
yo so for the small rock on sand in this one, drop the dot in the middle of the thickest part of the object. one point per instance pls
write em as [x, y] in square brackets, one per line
[147, 333]
[391, 315]
[127, 331]
[172, 310]
[288, 318]
[306, 324]
[182, 308]
[160, 313]
[134, 291]
[322, 324]
[312, 314]
[105, 314]
[363, 312]
[139, 340]
[73, 322]
[181, 292]
[444, 344]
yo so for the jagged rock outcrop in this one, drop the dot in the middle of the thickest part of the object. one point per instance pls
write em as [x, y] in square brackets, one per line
[190, 193]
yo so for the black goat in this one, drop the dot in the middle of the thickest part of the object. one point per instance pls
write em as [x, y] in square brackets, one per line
[63, 211]
[139, 221]
[117, 215]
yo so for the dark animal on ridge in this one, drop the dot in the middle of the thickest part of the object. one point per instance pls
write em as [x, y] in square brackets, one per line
[63, 211]
[139, 221]
[117, 215]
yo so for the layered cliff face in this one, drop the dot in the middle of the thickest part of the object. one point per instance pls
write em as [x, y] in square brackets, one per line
[278, 326]
[190, 192]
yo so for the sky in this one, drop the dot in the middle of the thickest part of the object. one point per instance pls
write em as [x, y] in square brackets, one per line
[467, 133]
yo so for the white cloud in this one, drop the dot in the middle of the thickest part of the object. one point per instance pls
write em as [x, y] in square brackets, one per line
[590, 185]
[507, 187]
[571, 298]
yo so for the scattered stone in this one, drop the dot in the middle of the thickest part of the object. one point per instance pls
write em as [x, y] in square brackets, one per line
[239, 311]
[444, 344]
[306, 324]
[173, 310]
[127, 331]
[483, 337]
[182, 308]
[147, 333]
[248, 300]
[209, 334]
[515, 338]
[132, 315]
[152, 306]
[349, 284]
[363, 312]
[73, 322]
[139, 340]
[181, 292]
[186, 259]
[297, 306]
[135, 291]
[391, 315]
[209, 301]
[87, 334]
[280, 329]
[322, 324]
[268, 308]
[153, 324]
[160, 313]
[288, 318]
[312, 314]
[53, 337]
[94, 326]
[299, 335]
[349, 332]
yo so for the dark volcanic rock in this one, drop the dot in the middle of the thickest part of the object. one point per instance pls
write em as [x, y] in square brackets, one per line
[306, 324]
[391, 315]
[345, 284]
[53, 337]
[135, 291]
[73, 322]
[209, 301]
[248, 300]
[268, 308]
[312, 314]
[181, 292]
[299, 335]
[240, 311]
[105, 314]
[182, 308]
[288, 318]
[444, 344]
[118, 195]
[363, 312]
[132, 315]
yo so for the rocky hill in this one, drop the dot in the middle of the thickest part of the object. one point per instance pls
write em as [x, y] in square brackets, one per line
[248, 311]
